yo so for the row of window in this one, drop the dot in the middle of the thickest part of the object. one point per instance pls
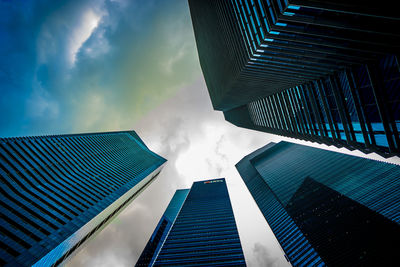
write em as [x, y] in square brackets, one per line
[204, 230]
[371, 184]
[341, 108]
[291, 239]
[54, 185]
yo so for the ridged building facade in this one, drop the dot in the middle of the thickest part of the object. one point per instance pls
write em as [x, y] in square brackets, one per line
[204, 232]
[323, 71]
[326, 208]
[59, 191]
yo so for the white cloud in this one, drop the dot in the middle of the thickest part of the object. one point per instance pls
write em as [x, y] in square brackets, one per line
[168, 65]
[198, 144]
[65, 31]
[202, 152]
[98, 45]
[89, 21]
[93, 109]
[41, 104]
[263, 256]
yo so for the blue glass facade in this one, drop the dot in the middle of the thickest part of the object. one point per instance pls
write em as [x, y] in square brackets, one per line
[326, 208]
[162, 229]
[342, 110]
[58, 191]
[322, 71]
[204, 232]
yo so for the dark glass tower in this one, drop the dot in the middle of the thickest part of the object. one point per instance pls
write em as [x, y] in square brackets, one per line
[326, 208]
[58, 191]
[162, 229]
[323, 71]
[204, 232]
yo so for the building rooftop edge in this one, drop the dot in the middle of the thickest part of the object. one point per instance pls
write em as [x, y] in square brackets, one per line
[66, 134]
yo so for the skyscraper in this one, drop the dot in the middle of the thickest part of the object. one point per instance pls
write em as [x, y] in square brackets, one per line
[156, 240]
[326, 208]
[58, 191]
[204, 231]
[322, 71]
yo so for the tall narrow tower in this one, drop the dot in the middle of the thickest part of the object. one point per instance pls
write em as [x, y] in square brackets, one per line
[58, 191]
[326, 208]
[204, 231]
[157, 239]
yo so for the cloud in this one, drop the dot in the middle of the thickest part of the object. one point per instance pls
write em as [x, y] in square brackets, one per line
[81, 33]
[263, 257]
[97, 45]
[132, 54]
[169, 65]
[198, 144]
[169, 130]
[132, 60]
[41, 104]
[174, 138]
[122, 234]
[135, 65]
[65, 30]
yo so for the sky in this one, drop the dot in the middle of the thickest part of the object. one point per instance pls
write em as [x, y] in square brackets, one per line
[109, 65]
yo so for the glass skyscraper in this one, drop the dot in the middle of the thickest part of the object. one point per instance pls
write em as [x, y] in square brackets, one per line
[58, 191]
[156, 240]
[326, 208]
[322, 71]
[203, 232]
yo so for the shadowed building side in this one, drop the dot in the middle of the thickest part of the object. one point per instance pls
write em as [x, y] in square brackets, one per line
[326, 207]
[351, 110]
[222, 55]
[327, 75]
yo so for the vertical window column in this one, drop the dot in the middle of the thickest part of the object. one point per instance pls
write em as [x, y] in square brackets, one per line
[321, 92]
[358, 108]
[341, 108]
[388, 124]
